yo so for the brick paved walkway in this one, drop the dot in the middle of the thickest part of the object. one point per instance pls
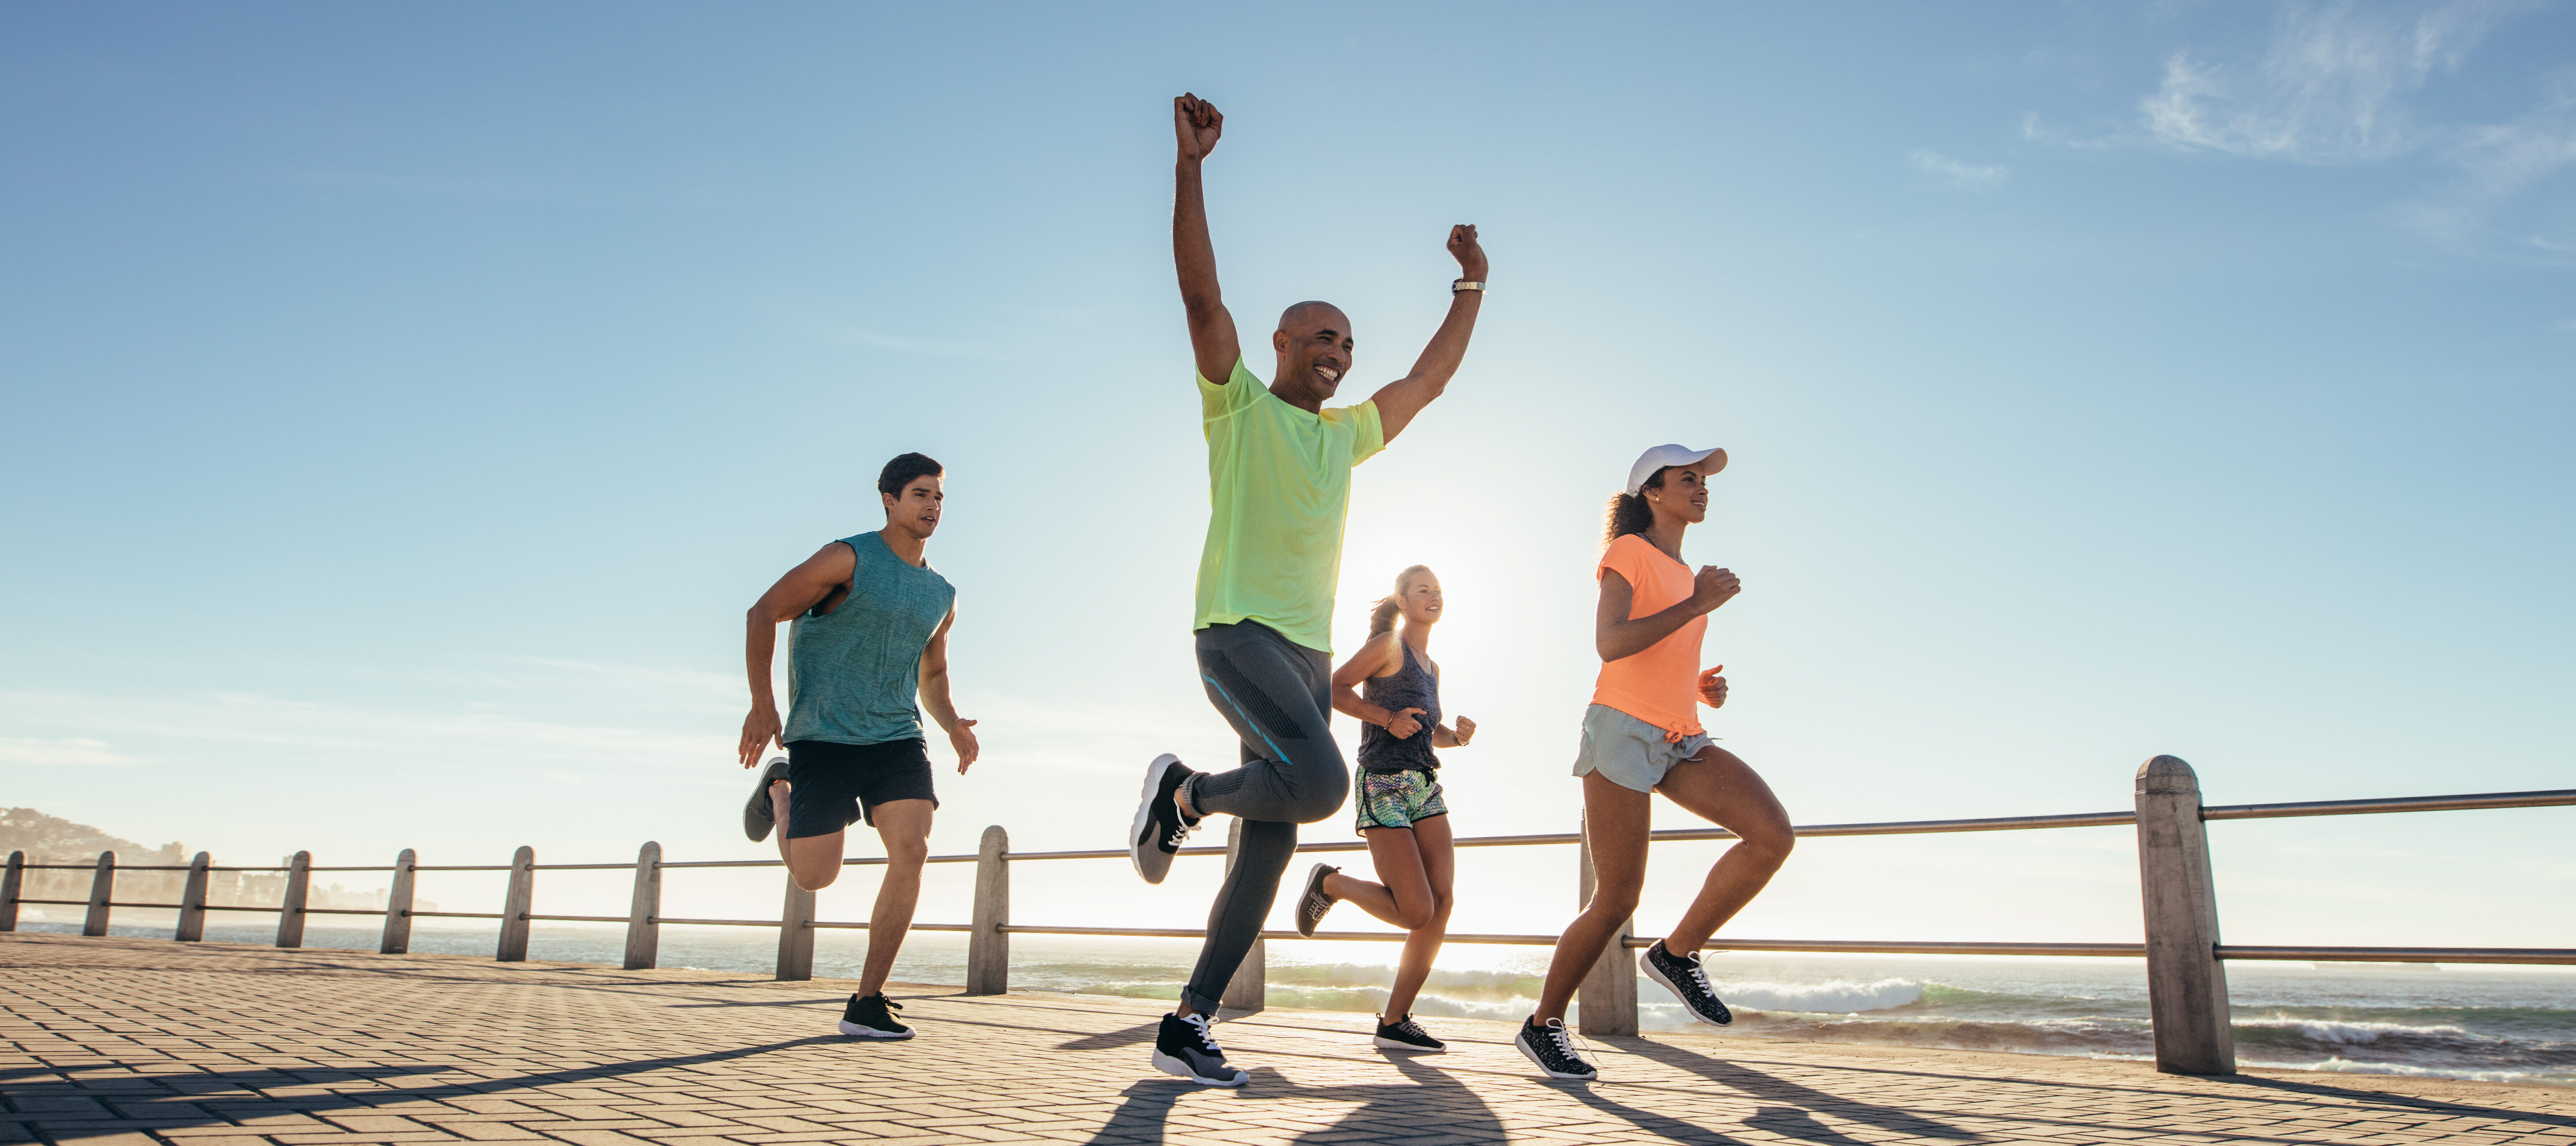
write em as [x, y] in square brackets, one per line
[130, 1041]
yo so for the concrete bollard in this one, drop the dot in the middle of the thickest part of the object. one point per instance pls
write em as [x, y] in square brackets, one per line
[988, 947]
[102, 887]
[192, 901]
[397, 937]
[796, 934]
[515, 905]
[1249, 991]
[11, 884]
[1607, 1001]
[290, 913]
[2186, 983]
[644, 912]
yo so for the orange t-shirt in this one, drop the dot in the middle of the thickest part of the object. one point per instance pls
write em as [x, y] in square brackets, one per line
[1660, 685]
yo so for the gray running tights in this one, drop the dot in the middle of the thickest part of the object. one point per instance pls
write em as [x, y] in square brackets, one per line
[1278, 696]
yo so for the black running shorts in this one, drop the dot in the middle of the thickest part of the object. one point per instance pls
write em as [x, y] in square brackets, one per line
[837, 785]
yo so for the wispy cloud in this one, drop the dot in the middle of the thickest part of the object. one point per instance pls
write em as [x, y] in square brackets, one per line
[1953, 173]
[70, 750]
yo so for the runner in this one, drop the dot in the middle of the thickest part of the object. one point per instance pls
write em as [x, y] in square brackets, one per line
[870, 629]
[1279, 478]
[1640, 736]
[1401, 813]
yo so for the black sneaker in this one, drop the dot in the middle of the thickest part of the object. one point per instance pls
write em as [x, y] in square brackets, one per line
[1552, 1050]
[1683, 976]
[1407, 1035]
[1184, 1047]
[1314, 903]
[1160, 827]
[757, 816]
[873, 1018]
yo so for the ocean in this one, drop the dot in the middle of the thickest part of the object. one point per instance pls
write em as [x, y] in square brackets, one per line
[2466, 1022]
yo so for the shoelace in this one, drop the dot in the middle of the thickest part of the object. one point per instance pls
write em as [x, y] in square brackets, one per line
[1410, 1027]
[1199, 1024]
[1179, 834]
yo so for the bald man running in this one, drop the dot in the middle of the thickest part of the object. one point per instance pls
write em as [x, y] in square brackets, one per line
[1279, 467]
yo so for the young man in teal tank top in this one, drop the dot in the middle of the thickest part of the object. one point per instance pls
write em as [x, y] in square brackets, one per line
[1279, 467]
[869, 631]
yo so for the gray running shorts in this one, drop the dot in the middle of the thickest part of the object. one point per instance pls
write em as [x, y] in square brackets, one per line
[1630, 752]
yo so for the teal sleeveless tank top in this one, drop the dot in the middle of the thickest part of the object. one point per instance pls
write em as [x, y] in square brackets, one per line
[853, 673]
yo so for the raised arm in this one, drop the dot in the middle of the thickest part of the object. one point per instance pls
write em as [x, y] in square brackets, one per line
[1398, 401]
[934, 695]
[825, 573]
[1197, 123]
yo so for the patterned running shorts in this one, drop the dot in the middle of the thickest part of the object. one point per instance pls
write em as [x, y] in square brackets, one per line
[1396, 799]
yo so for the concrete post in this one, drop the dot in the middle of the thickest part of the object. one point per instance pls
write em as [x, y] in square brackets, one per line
[644, 913]
[1249, 990]
[796, 934]
[988, 947]
[397, 938]
[290, 915]
[1607, 1001]
[2186, 984]
[515, 905]
[102, 887]
[11, 886]
[192, 901]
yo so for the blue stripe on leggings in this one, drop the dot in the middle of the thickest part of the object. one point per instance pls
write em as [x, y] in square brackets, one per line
[1248, 721]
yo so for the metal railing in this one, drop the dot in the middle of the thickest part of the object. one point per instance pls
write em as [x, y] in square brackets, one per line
[2187, 993]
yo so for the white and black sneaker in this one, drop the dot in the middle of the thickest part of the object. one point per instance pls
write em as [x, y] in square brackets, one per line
[1312, 905]
[1551, 1049]
[873, 1018]
[1406, 1035]
[1185, 1048]
[1687, 980]
[1160, 827]
[757, 816]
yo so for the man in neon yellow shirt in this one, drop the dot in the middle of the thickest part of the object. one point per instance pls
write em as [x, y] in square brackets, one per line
[1279, 466]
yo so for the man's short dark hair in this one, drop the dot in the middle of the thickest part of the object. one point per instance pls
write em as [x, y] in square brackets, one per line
[905, 467]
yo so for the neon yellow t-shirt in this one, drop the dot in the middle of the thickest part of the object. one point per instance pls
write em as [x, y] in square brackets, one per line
[1279, 481]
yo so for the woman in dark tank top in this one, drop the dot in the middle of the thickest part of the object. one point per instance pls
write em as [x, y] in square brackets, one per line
[1393, 687]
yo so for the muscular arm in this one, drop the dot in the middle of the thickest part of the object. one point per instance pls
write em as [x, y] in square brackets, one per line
[1616, 636]
[1212, 336]
[1398, 401]
[805, 586]
[934, 695]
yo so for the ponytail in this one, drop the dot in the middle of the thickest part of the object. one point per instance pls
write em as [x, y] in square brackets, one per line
[1629, 513]
[1382, 614]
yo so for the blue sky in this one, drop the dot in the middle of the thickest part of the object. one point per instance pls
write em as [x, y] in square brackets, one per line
[404, 404]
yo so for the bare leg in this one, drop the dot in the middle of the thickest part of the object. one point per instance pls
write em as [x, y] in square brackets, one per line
[904, 825]
[813, 862]
[1618, 819]
[1720, 788]
[1431, 839]
[1405, 899]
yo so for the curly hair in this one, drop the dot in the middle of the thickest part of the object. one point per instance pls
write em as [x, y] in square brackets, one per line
[1628, 512]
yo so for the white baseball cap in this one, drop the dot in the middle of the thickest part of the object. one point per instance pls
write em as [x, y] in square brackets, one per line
[1668, 455]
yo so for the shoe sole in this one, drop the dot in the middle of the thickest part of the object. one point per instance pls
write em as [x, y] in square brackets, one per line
[1136, 843]
[1173, 1066]
[759, 823]
[856, 1031]
[1385, 1043]
[1532, 1055]
[1314, 881]
[1647, 967]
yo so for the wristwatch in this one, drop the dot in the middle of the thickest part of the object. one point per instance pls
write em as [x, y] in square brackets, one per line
[1465, 284]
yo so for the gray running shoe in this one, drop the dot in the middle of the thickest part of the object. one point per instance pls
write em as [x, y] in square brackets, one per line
[1551, 1048]
[1160, 827]
[1312, 905]
[1687, 980]
[757, 818]
[1185, 1048]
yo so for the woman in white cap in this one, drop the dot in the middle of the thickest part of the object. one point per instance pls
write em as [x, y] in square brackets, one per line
[1642, 735]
